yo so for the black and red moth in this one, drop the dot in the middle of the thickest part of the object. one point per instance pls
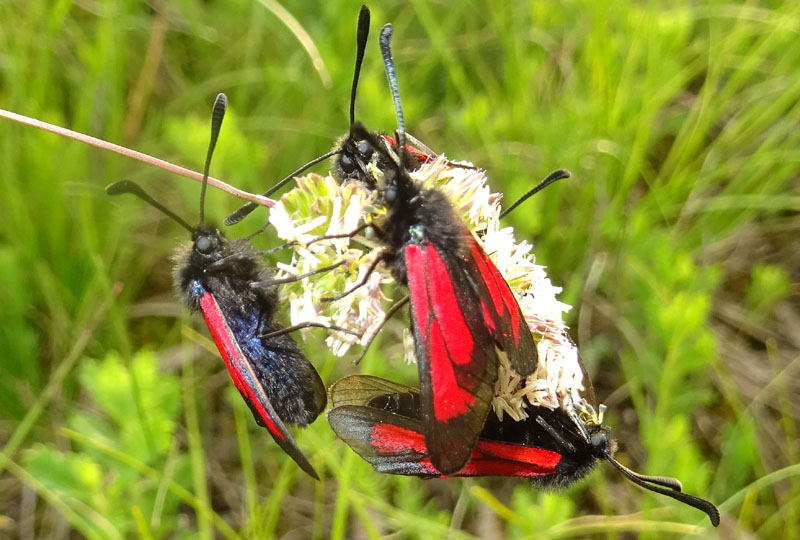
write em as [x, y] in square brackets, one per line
[226, 282]
[382, 422]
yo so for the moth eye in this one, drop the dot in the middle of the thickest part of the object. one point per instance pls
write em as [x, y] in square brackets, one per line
[204, 245]
[347, 164]
[599, 440]
[364, 148]
[390, 195]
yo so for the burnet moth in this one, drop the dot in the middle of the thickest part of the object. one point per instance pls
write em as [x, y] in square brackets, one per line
[226, 281]
[464, 316]
[382, 421]
[352, 156]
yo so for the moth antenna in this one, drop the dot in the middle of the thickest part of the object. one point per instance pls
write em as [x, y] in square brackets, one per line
[217, 114]
[132, 188]
[570, 410]
[361, 45]
[549, 179]
[362, 33]
[654, 484]
[665, 481]
[385, 41]
[245, 210]
[555, 434]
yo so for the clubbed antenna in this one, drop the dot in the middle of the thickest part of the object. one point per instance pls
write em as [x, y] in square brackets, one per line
[362, 34]
[671, 487]
[385, 41]
[361, 45]
[132, 188]
[217, 114]
[552, 177]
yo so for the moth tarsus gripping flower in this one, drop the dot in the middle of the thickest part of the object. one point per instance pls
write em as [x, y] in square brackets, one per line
[226, 281]
[382, 422]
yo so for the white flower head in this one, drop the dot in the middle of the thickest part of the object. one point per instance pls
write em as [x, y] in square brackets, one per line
[320, 206]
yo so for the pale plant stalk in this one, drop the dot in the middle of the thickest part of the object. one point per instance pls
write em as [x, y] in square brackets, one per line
[133, 154]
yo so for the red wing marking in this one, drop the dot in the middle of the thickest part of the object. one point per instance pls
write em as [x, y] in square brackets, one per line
[502, 314]
[392, 443]
[418, 289]
[413, 150]
[247, 382]
[505, 303]
[431, 271]
[449, 399]
[529, 455]
[490, 458]
[446, 337]
[238, 366]
[503, 468]
[389, 438]
[487, 317]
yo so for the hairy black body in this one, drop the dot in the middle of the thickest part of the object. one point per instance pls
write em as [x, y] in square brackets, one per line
[233, 273]
[227, 282]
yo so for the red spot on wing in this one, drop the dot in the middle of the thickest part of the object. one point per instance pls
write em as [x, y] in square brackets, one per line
[390, 439]
[528, 455]
[235, 359]
[418, 289]
[413, 150]
[503, 299]
[428, 466]
[447, 340]
[455, 331]
[503, 468]
[449, 399]
[487, 317]
[490, 458]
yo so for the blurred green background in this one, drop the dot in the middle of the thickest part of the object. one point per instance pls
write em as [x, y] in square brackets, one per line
[676, 240]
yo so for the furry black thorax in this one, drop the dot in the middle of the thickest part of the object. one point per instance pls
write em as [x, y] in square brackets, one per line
[416, 215]
[226, 268]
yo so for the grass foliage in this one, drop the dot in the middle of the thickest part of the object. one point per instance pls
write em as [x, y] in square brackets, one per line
[676, 240]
